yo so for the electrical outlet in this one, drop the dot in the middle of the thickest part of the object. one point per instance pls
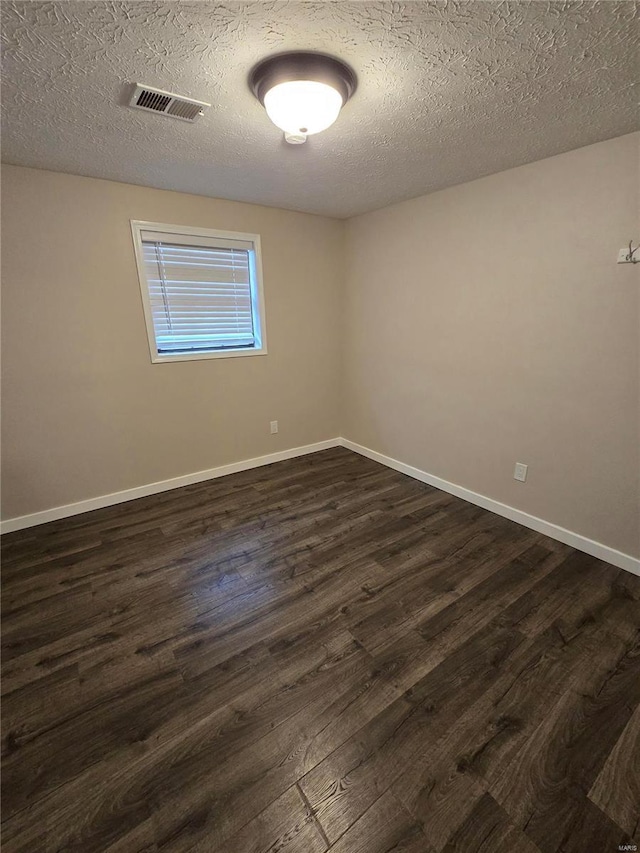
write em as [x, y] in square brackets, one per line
[623, 254]
[520, 472]
[274, 427]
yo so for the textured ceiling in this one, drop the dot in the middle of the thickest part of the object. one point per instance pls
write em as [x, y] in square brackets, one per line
[448, 92]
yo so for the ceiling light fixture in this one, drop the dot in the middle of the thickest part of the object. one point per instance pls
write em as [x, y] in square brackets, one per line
[302, 93]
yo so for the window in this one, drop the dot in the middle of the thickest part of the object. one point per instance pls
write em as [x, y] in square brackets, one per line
[201, 291]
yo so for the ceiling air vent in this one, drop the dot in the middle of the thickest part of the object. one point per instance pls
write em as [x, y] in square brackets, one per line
[157, 101]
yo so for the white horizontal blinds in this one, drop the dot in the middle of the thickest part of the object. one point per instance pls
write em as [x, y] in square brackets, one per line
[200, 293]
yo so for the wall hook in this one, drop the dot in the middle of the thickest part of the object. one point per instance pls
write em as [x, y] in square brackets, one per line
[628, 255]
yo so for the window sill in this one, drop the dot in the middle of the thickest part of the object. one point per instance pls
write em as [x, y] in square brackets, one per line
[201, 356]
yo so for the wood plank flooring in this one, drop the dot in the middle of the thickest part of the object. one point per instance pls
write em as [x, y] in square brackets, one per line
[321, 654]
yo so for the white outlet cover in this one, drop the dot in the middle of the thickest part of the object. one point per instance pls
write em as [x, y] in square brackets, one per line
[520, 472]
[274, 427]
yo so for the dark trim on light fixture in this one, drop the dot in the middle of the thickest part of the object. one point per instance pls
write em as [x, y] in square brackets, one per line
[301, 65]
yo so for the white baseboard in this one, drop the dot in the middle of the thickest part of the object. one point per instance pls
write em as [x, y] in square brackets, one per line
[582, 543]
[57, 512]
[568, 537]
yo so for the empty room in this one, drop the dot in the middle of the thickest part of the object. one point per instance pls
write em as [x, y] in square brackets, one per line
[320, 426]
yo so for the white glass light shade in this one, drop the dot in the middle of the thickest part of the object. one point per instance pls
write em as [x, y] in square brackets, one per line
[303, 106]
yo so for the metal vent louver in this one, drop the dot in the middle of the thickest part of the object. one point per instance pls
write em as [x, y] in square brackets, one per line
[168, 103]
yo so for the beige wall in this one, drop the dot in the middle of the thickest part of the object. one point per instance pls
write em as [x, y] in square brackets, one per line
[85, 412]
[489, 324]
[482, 325]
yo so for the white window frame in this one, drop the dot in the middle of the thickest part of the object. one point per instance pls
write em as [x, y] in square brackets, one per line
[257, 290]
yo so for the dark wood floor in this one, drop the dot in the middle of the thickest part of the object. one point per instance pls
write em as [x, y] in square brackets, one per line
[319, 654]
